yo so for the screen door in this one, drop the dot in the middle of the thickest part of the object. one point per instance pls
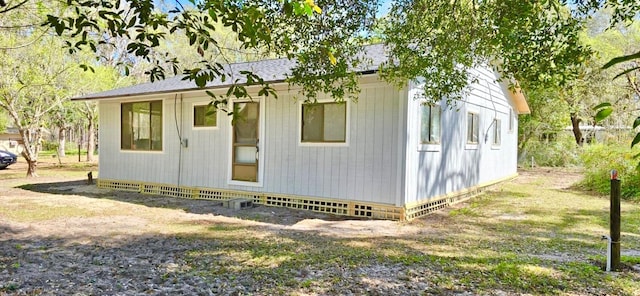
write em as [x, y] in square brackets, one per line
[245, 141]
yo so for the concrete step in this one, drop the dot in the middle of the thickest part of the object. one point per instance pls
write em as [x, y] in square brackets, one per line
[238, 203]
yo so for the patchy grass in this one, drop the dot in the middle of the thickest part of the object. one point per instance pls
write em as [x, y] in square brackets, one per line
[49, 167]
[524, 238]
[39, 213]
[529, 236]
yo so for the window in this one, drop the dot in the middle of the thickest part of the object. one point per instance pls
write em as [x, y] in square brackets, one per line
[205, 116]
[497, 132]
[473, 121]
[141, 126]
[430, 124]
[324, 123]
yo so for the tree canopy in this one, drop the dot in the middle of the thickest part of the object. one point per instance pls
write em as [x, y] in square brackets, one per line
[535, 42]
[532, 41]
[323, 41]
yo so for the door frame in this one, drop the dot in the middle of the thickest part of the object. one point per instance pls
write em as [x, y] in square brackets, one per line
[261, 143]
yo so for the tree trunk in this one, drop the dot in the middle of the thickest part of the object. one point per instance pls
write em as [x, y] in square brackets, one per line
[62, 139]
[31, 150]
[33, 165]
[91, 142]
[575, 123]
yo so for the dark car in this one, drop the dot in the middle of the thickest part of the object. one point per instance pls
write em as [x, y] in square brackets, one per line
[6, 159]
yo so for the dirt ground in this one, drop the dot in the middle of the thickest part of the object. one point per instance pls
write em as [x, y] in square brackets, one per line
[287, 218]
[559, 178]
[119, 243]
[126, 253]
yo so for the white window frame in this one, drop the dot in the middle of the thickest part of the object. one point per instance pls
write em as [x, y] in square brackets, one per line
[471, 145]
[192, 117]
[164, 128]
[325, 144]
[496, 130]
[432, 147]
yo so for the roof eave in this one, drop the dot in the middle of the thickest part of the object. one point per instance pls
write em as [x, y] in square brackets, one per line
[117, 96]
[519, 101]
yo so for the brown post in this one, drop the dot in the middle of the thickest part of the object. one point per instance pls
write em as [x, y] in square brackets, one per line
[614, 221]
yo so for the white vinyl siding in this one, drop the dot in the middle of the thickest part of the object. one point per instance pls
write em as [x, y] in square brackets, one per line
[457, 165]
[364, 170]
[379, 162]
[132, 165]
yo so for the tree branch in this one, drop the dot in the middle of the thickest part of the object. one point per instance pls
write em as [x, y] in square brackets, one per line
[11, 8]
[634, 85]
[18, 26]
[26, 44]
[621, 59]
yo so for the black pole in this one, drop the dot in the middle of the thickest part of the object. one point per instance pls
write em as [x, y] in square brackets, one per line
[614, 221]
[79, 146]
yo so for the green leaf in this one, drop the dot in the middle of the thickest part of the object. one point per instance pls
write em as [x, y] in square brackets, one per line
[621, 59]
[636, 140]
[602, 114]
[201, 81]
[605, 104]
[636, 122]
[60, 29]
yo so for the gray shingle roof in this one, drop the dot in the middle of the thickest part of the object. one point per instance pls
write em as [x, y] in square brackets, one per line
[272, 71]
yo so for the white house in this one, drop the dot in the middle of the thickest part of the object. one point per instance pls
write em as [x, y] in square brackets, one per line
[385, 156]
[11, 141]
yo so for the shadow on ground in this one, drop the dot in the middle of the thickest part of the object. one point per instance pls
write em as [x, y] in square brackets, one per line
[259, 213]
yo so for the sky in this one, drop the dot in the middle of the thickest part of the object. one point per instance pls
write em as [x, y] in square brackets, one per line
[384, 8]
[386, 4]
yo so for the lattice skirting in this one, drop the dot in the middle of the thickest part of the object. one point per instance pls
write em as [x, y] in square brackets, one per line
[316, 204]
[422, 208]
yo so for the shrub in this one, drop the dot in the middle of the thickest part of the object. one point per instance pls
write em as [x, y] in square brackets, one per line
[560, 152]
[599, 159]
[49, 145]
